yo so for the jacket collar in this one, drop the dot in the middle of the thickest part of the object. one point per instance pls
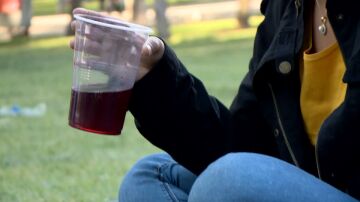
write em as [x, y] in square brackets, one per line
[288, 39]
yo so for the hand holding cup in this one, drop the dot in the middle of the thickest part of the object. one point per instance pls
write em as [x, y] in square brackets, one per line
[109, 55]
[151, 52]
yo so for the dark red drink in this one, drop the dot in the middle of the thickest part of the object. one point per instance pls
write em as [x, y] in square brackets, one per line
[99, 112]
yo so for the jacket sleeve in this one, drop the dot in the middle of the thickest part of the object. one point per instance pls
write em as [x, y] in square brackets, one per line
[173, 110]
[175, 113]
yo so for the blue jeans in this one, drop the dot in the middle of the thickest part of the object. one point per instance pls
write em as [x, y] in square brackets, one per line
[243, 177]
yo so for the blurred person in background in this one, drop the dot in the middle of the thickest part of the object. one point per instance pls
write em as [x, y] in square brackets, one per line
[162, 23]
[291, 133]
[9, 15]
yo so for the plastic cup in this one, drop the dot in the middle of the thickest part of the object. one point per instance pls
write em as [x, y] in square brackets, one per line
[106, 60]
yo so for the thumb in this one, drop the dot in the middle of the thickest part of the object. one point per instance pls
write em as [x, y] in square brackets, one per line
[153, 47]
[152, 52]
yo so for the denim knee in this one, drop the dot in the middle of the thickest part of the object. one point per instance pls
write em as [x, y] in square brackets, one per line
[254, 177]
[236, 177]
[148, 164]
[141, 176]
[156, 178]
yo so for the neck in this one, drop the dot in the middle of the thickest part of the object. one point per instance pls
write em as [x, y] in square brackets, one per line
[321, 41]
[320, 7]
[322, 3]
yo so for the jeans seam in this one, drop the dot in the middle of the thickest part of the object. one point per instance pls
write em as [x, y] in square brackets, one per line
[166, 186]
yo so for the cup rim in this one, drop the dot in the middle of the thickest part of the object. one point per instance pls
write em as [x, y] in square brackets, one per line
[132, 27]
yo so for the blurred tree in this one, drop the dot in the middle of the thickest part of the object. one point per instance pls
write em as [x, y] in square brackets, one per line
[112, 5]
[162, 23]
[139, 9]
[61, 6]
[102, 5]
[9, 10]
[243, 13]
[26, 15]
[74, 4]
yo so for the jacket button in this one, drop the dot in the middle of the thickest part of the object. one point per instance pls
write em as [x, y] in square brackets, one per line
[285, 67]
[276, 132]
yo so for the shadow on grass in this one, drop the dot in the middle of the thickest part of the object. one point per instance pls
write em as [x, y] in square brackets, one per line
[24, 40]
[15, 41]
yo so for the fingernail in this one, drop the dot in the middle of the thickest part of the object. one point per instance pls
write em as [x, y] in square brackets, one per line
[148, 47]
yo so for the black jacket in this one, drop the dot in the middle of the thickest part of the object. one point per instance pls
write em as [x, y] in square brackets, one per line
[174, 112]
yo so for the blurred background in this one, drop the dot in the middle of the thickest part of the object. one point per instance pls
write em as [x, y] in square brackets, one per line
[41, 157]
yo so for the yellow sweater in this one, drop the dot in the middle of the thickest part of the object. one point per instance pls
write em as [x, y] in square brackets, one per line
[322, 88]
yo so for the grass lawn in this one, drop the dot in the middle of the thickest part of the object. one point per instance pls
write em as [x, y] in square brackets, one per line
[43, 159]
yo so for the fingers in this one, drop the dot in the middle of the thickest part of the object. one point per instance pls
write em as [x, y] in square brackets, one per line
[90, 47]
[72, 44]
[153, 46]
[72, 24]
[95, 33]
[86, 12]
[152, 52]
[82, 11]
[91, 13]
[99, 42]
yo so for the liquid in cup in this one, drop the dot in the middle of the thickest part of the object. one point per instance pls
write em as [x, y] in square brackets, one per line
[101, 112]
[104, 75]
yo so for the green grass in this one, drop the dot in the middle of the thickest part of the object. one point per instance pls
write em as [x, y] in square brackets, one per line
[43, 159]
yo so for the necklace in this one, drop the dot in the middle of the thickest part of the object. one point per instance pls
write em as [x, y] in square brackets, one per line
[322, 28]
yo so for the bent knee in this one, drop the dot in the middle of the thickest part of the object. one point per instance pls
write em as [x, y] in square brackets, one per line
[148, 166]
[239, 175]
[247, 163]
[145, 171]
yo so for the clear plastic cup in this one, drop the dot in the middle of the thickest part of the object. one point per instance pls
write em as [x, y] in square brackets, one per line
[106, 61]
